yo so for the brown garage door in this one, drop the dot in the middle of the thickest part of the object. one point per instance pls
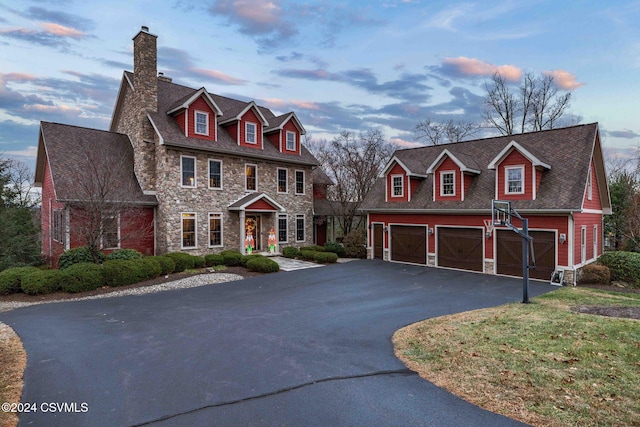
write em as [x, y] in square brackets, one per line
[509, 254]
[409, 243]
[378, 241]
[460, 248]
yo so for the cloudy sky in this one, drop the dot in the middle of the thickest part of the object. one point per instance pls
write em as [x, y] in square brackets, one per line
[340, 65]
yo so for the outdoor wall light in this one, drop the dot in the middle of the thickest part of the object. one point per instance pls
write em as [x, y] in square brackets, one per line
[563, 238]
[488, 234]
[430, 231]
[385, 229]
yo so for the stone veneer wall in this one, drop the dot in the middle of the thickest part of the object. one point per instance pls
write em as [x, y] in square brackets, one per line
[175, 200]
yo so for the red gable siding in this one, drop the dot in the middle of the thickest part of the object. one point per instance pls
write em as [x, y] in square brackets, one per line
[51, 249]
[291, 127]
[180, 120]
[594, 203]
[250, 116]
[201, 105]
[274, 138]
[260, 205]
[397, 170]
[515, 158]
[445, 166]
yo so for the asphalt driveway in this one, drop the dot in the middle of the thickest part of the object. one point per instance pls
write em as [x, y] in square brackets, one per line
[304, 348]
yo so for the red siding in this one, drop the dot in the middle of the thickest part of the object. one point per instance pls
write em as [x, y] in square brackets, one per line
[274, 138]
[180, 120]
[515, 158]
[589, 221]
[446, 166]
[250, 116]
[594, 203]
[414, 183]
[232, 129]
[201, 105]
[468, 179]
[397, 170]
[291, 127]
[260, 205]
[319, 191]
[50, 248]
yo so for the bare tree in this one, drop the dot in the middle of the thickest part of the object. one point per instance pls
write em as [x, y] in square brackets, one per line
[437, 133]
[535, 106]
[353, 162]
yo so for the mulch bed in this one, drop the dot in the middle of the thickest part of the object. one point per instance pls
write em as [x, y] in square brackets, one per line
[20, 297]
[611, 311]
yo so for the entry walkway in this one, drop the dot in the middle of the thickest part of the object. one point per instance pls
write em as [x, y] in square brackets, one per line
[287, 264]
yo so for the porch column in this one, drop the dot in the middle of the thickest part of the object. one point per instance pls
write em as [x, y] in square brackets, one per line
[276, 214]
[242, 232]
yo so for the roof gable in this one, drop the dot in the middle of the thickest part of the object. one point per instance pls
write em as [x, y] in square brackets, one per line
[253, 199]
[463, 167]
[396, 160]
[187, 100]
[237, 115]
[513, 145]
[279, 122]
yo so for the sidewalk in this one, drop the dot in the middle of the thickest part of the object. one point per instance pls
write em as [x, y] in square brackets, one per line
[287, 264]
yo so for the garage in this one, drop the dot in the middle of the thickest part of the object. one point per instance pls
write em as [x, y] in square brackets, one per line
[460, 248]
[509, 253]
[409, 243]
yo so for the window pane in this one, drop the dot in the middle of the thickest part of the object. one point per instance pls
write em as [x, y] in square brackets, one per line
[188, 172]
[448, 184]
[282, 180]
[514, 177]
[300, 228]
[282, 228]
[291, 141]
[215, 230]
[188, 230]
[201, 123]
[299, 182]
[110, 233]
[215, 176]
[251, 133]
[397, 186]
[250, 171]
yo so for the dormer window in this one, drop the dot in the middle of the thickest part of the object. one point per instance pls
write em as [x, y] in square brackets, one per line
[202, 123]
[514, 182]
[447, 183]
[291, 141]
[397, 185]
[250, 133]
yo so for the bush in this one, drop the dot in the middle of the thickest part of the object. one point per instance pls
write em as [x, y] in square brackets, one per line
[246, 258]
[212, 260]
[313, 248]
[354, 244]
[231, 258]
[198, 262]
[167, 264]
[183, 261]
[41, 282]
[308, 255]
[85, 276]
[263, 265]
[11, 279]
[121, 272]
[150, 267]
[76, 256]
[124, 254]
[594, 274]
[624, 266]
[334, 247]
[325, 257]
[290, 252]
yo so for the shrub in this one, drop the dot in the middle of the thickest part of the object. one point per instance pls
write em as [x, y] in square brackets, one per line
[246, 258]
[167, 264]
[212, 260]
[76, 256]
[263, 265]
[231, 258]
[41, 282]
[313, 248]
[150, 267]
[624, 266]
[124, 254]
[198, 262]
[183, 261]
[308, 255]
[325, 257]
[290, 252]
[121, 272]
[334, 247]
[85, 276]
[594, 274]
[11, 279]
[354, 244]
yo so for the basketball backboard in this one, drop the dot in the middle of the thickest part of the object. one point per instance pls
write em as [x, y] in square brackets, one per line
[500, 212]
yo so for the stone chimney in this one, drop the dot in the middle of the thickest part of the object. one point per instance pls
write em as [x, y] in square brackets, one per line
[145, 66]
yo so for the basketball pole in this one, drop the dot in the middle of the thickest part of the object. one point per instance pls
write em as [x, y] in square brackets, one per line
[525, 261]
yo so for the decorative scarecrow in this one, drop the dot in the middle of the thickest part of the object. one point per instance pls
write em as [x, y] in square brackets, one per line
[272, 241]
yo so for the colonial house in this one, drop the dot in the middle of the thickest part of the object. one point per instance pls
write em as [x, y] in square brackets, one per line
[202, 171]
[433, 205]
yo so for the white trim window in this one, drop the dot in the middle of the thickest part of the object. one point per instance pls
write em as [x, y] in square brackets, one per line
[283, 228]
[283, 175]
[448, 183]
[58, 225]
[215, 229]
[111, 232]
[250, 131]
[188, 227]
[397, 185]
[514, 180]
[583, 244]
[215, 174]
[188, 171]
[201, 123]
[291, 141]
[251, 177]
[300, 228]
[595, 241]
[589, 186]
[299, 182]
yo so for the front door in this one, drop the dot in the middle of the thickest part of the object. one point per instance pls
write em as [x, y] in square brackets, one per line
[252, 228]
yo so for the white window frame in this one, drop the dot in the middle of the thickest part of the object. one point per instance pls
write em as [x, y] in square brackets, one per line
[290, 148]
[393, 186]
[595, 242]
[304, 224]
[254, 133]
[209, 174]
[285, 217]
[195, 230]
[195, 171]
[206, 122]
[304, 178]
[57, 228]
[442, 184]
[246, 177]
[583, 244]
[589, 186]
[102, 239]
[219, 215]
[506, 179]
[286, 180]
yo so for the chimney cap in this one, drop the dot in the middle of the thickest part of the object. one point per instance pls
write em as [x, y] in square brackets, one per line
[145, 29]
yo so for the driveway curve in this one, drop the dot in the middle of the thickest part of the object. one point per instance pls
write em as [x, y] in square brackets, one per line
[303, 348]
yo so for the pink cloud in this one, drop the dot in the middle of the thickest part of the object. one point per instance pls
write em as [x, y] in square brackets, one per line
[563, 79]
[475, 67]
[258, 11]
[16, 77]
[61, 30]
[219, 76]
[281, 104]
